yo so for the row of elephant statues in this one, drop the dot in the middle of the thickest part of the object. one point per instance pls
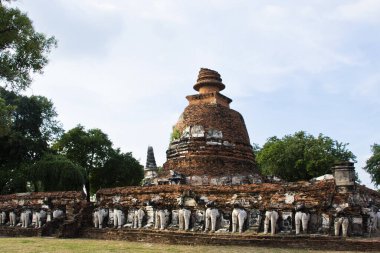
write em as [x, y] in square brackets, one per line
[161, 218]
[181, 218]
[28, 217]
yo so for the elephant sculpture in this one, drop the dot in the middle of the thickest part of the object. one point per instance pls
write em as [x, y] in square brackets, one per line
[161, 219]
[184, 219]
[372, 224]
[118, 218]
[57, 213]
[271, 218]
[3, 217]
[138, 218]
[239, 216]
[40, 218]
[301, 218]
[99, 217]
[341, 222]
[212, 214]
[12, 218]
[372, 219]
[25, 218]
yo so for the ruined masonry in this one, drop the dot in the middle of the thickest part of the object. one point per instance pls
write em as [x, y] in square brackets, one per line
[209, 184]
[210, 143]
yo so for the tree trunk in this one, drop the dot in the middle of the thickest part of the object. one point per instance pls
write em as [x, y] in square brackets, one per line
[87, 186]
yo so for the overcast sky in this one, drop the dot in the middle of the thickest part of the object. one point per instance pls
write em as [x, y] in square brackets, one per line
[126, 66]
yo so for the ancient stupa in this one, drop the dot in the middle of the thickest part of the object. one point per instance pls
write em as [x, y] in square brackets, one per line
[150, 170]
[210, 143]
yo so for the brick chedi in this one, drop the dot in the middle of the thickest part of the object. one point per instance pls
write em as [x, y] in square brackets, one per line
[150, 170]
[210, 142]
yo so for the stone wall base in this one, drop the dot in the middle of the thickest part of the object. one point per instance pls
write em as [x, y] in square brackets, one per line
[19, 232]
[312, 242]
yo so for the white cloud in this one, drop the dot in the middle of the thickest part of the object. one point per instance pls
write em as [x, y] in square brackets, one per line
[360, 11]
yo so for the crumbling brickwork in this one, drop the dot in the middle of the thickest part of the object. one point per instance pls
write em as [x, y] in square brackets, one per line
[37, 199]
[320, 195]
[40, 213]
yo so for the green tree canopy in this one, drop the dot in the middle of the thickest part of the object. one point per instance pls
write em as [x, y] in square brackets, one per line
[22, 50]
[31, 127]
[373, 164]
[5, 117]
[301, 156]
[89, 149]
[121, 169]
[56, 173]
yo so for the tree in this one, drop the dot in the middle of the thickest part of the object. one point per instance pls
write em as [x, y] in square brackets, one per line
[373, 164]
[30, 128]
[121, 169]
[33, 124]
[22, 50]
[301, 156]
[256, 149]
[89, 149]
[56, 173]
[5, 117]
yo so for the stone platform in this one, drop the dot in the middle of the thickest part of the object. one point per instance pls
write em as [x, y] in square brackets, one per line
[311, 242]
[6, 231]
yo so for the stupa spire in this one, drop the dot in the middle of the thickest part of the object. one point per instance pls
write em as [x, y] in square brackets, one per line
[208, 81]
[150, 160]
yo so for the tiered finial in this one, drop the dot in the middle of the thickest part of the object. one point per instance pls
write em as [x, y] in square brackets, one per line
[209, 81]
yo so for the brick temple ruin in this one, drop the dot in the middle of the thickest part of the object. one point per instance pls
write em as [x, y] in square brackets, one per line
[209, 191]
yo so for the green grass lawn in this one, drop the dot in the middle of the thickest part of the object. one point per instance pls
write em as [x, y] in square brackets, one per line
[92, 246]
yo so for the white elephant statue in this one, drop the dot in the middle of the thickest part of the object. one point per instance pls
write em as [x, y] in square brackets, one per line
[98, 217]
[184, 219]
[118, 218]
[40, 216]
[301, 218]
[212, 214]
[161, 219]
[12, 218]
[372, 222]
[341, 222]
[25, 218]
[271, 218]
[372, 219]
[138, 218]
[239, 216]
[3, 217]
[57, 213]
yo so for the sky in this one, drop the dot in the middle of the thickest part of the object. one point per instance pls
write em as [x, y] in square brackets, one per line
[126, 66]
